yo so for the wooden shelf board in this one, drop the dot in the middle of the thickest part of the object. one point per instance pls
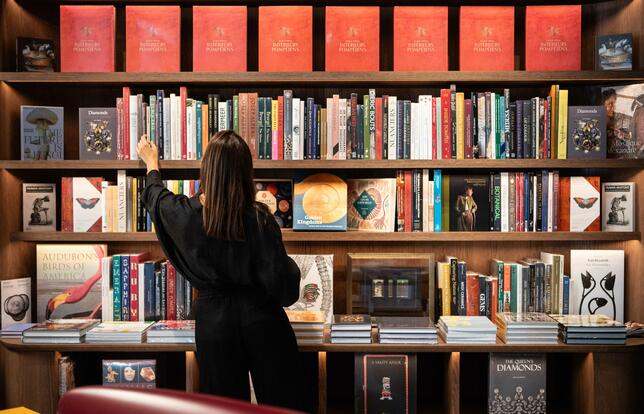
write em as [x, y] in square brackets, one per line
[325, 2]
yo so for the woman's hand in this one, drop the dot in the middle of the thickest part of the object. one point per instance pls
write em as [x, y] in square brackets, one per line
[148, 153]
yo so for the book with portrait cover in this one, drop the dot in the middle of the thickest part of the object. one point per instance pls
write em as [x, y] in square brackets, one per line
[81, 207]
[385, 383]
[285, 38]
[152, 38]
[579, 204]
[134, 373]
[352, 39]
[420, 38]
[38, 207]
[625, 120]
[278, 196]
[42, 132]
[219, 38]
[87, 38]
[586, 132]
[15, 299]
[35, 55]
[517, 383]
[618, 207]
[468, 202]
[553, 37]
[614, 52]
[315, 303]
[97, 133]
[320, 203]
[68, 280]
[486, 41]
[372, 204]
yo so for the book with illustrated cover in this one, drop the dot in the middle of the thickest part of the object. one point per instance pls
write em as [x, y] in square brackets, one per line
[133, 373]
[35, 55]
[81, 207]
[579, 205]
[588, 323]
[385, 383]
[97, 133]
[38, 207]
[320, 203]
[586, 132]
[486, 41]
[405, 324]
[87, 37]
[152, 38]
[178, 328]
[278, 196]
[517, 383]
[285, 38]
[219, 38]
[553, 37]
[618, 207]
[356, 322]
[42, 133]
[420, 38]
[614, 52]
[352, 39]
[372, 204]
[625, 120]
[316, 289]
[527, 319]
[15, 299]
[61, 328]
[468, 203]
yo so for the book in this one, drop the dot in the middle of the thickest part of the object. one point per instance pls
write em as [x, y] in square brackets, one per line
[57, 330]
[614, 52]
[285, 38]
[625, 120]
[278, 196]
[486, 41]
[172, 332]
[15, 330]
[38, 207]
[133, 373]
[81, 207]
[315, 303]
[320, 203]
[219, 38]
[586, 132]
[35, 55]
[152, 38]
[371, 204]
[352, 39]
[517, 381]
[15, 298]
[597, 283]
[468, 202]
[68, 280]
[121, 332]
[42, 133]
[385, 383]
[87, 37]
[405, 325]
[618, 206]
[553, 37]
[420, 38]
[97, 136]
[582, 196]
[355, 322]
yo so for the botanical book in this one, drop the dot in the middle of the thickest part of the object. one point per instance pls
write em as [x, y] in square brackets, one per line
[579, 204]
[385, 383]
[15, 297]
[320, 203]
[81, 209]
[315, 303]
[486, 38]
[278, 196]
[352, 39]
[553, 37]
[285, 38]
[468, 202]
[372, 204]
[614, 52]
[420, 38]
[517, 383]
[35, 55]
[87, 38]
[152, 38]
[68, 280]
[586, 132]
[618, 206]
[625, 120]
[38, 207]
[219, 38]
[97, 133]
[133, 373]
[42, 133]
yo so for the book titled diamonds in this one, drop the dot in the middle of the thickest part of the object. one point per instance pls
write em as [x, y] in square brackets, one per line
[42, 133]
[97, 137]
[618, 206]
[586, 132]
[517, 383]
[372, 204]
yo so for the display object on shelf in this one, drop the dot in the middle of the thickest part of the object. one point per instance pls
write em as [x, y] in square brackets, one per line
[130, 373]
[42, 133]
[618, 206]
[517, 383]
[586, 132]
[553, 37]
[486, 41]
[35, 55]
[285, 38]
[15, 299]
[625, 120]
[178, 332]
[98, 133]
[420, 38]
[371, 204]
[38, 207]
[385, 383]
[66, 379]
[15, 330]
[118, 332]
[466, 329]
[466, 202]
[351, 329]
[315, 303]
[59, 331]
[278, 196]
[528, 327]
[219, 38]
[352, 39]
[320, 203]
[406, 330]
[87, 38]
[579, 205]
[614, 52]
[590, 330]
[152, 38]
[81, 204]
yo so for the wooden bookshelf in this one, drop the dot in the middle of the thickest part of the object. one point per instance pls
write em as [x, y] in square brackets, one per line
[326, 2]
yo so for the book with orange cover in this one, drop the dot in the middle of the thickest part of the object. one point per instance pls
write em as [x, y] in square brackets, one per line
[352, 39]
[285, 39]
[486, 38]
[219, 38]
[87, 38]
[579, 205]
[553, 37]
[152, 38]
[420, 38]
[472, 295]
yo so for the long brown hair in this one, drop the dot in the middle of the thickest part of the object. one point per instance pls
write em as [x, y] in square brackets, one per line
[227, 185]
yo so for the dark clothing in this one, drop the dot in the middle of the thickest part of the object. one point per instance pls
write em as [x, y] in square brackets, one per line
[243, 285]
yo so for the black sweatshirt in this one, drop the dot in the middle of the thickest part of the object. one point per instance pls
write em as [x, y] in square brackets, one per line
[258, 265]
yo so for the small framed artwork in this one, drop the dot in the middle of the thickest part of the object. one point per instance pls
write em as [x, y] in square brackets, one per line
[614, 52]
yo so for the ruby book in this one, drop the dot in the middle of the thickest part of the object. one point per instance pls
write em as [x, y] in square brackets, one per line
[285, 39]
[420, 38]
[553, 37]
[352, 39]
[486, 38]
[219, 38]
[87, 38]
[152, 34]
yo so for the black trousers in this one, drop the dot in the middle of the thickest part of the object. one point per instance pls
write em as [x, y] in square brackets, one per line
[238, 333]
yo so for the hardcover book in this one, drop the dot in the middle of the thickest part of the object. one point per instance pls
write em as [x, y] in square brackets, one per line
[129, 373]
[219, 38]
[87, 38]
[614, 52]
[517, 383]
[586, 132]
[285, 38]
[320, 203]
[420, 38]
[352, 39]
[579, 205]
[372, 204]
[42, 133]
[68, 280]
[97, 133]
[35, 55]
[82, 209]
[597, 283]
[38, 207]
[486, 38]
[385, 383]
[553, 37]
[618, 206]
[468, 203]
[278, 196]
[315, 303]
[625, 120]
[15, 298]
[152, 38]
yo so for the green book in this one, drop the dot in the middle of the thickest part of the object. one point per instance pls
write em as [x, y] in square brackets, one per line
[116, 284]
[236, 114]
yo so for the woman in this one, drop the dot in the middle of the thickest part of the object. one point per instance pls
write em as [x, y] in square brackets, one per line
[230, 248]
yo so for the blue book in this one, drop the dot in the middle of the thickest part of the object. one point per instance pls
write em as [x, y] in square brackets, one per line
[503, 148]
[314, 131]
[157, 295]
[438, 203]
[566, 295]
[125, 287]
[149, 287]
[309, 128]
[518, 130]
[199, 130]
[164, 296]
[116, 285]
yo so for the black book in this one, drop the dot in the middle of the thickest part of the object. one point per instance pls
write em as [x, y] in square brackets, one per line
[453, 281]
[417, 200]
[230, 114]
[475, 130]
[309, 143]
[462, 291]
[164, 292]
[491, 203]
[318, 130]
[530, 207]
[452, 109]
[527, 114]
[360, 131]
[517, 381]
[385, 127]
[260, 128]
[288, 125]
[159, 122]
[518, 128]
[547, 122]
[539, 195]
[268, 131]
[534, 126]
[512, 141]
[506, 121]
[400, 131]
[407, 130]
[385, 383]
[482, 297]
[469, 202]
[213, 105]
[586, 132]
[490, 300]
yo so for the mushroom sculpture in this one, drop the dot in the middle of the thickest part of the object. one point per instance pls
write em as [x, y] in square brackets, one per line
[42, 119]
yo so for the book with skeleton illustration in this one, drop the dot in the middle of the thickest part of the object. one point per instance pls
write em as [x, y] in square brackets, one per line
[618, 206]
[315, 303]
[38, 207]
[517, 383]
[385, 383]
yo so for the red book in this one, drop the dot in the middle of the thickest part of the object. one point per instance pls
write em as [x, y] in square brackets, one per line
[564, 204]
[378, 128]
[507, 286]
[486, 38]
[135, 260]
[171, 292]
[495, 294]
[553, 37]
[435, 139]
[468, 129]
[152, 38]
[126, 123]
[81, 204]
[352, 39]
[420, 38]
[408, 203]
[183, 96]
[472, 294]
[280, 127]
[446, 135]
[285, 39]
[219, 38]
[87, 38]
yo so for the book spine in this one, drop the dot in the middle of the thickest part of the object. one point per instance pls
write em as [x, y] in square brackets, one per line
[160, 123]
[481, 123]
[253, 130]
[408, 201]
[497, 209]
[490, 149]
[562, 122]
[400, 201]
[512, 202]
[452, 116]
[460, 125]
[378, 129]
[126, 123]
[462, 290]
[171, 292]
[534, 128]
[438, 203]
[271, 128]
[297, 130]
[446, 124]
[407, 130]
[482, 297]
[198, 129]
[566, 296]
[149, 288]
[392, 125]
[384, 132]
[366, 138]
[310, 133]
[164, 291]
[235, 126]
[260, 129]
[370, 145]
[211, 115]
[435, 130]
[453, 283]
[352, 144]
[342, 133]
[157, 295]
[547, 300]
[400, 131]
[125, 287]
[417, 200]
[288, 124]
[280, 128]
[468, 150]
[134, 288]
[506, 121]
[116, 288]
[183, 96]
[507, 287]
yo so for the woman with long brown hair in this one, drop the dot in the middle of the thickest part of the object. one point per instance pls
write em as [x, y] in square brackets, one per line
[230, 248]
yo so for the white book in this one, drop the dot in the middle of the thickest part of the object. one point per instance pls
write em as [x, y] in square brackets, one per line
[618, 206]
[104, 207]
[550, 199]
[342, 121]
[439, 143]
[121, 182]
[173, 126]
[372, 124]
[222, 116]
[491, 139]
[190, 128]
[330, 128]
[296, 128]
[15, 297]
[430, 204]
[415, 130]
[134, 126]
[426, 127]
[392, 127]
[107, 299]
[480, 109]
[505, 201]
[176, 127]
[302, 112]
[193, 147]
[334, 142]
[167, 131]
[425, 199]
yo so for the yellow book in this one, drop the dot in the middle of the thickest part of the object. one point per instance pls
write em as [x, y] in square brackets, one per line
[18, 410]
[274, 125]
[445, 283]
[135, 205]
[460, 126]
[554, 91]
[204, 128]
[562, 120]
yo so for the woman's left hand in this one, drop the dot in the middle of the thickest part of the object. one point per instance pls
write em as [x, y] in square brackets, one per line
[148, 153]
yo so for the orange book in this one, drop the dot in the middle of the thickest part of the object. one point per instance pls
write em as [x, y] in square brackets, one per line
[420, 38]
[553, 37]
[285, 39]
[472, 296]
[152, 38]
[219, 38]
[486, 38]
[87, 38]
[352, 39]
[564, 204]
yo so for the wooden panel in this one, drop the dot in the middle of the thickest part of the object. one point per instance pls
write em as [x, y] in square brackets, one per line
[192, 372]
[322, 383]
[37, 390]
[583, 380]
[617, 382]
[453, 383]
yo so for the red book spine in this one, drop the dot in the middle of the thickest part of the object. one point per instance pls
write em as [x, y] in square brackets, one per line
[507, 286]
[495, 294]
[378, 128]
[183, 94]
[408, 203]
[134, 288]
[435, 139]
[280, 127]
[564, 204]
[520, 202]
[67, 210]
[472, 297]
[446, 135]
[555, 202]
[468, 129]
[171, 293]
[126, 123]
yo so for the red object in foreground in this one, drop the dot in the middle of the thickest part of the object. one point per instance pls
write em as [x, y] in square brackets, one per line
[102, 400]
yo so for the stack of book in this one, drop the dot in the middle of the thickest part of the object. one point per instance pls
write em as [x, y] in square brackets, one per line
[530, 327]
[590, 330]
[177, 332]
[466, 329]
[122, 332]
[406, 330]
[15, 330]
[351, 329]
[59, 331]
[308, 326]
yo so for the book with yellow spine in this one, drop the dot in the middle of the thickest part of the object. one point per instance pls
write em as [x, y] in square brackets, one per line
[562, 121]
